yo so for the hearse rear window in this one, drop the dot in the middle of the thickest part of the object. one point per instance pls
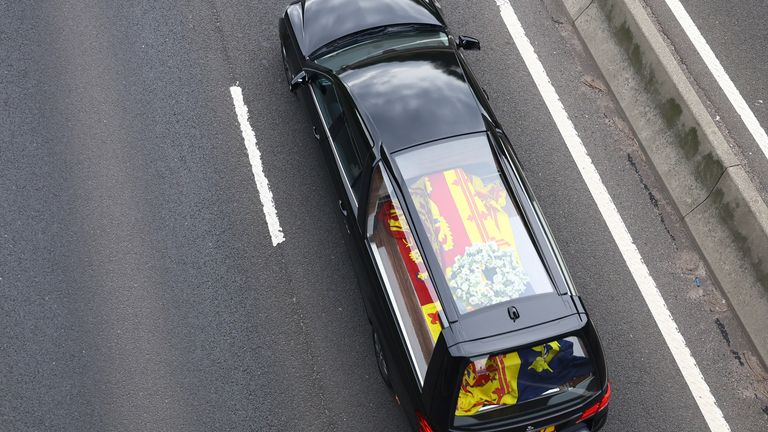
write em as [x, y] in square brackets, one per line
[472, 223]
[541, 376]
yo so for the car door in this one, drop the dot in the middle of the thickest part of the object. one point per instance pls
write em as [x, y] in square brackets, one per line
[332, 128]
[349, 153]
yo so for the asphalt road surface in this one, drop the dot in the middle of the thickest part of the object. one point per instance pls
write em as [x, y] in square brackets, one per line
[139, 287]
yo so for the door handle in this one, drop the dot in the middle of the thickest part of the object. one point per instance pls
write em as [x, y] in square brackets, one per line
[342, 208]
[315, 133]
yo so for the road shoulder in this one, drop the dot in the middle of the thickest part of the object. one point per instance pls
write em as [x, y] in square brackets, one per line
[720, 206]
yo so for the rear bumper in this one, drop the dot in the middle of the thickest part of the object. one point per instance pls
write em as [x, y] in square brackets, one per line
[566, 421]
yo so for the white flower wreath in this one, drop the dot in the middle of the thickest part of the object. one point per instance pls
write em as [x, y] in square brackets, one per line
[486, 275]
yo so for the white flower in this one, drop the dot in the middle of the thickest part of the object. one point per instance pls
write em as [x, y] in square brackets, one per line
[486, 275]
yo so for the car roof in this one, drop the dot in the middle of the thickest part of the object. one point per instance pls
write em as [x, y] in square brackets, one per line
[535, 317]
[318, 22]
[412, 97]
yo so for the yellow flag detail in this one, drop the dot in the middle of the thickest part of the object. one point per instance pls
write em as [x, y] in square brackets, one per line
[547, 353]
[492, 383]
[432, 317]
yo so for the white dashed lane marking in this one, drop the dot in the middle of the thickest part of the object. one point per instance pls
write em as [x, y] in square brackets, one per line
[650, 292]
[254, 156]
[717, 70]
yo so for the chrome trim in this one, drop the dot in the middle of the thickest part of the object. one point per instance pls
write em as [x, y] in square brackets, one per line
[555, 250]
[365, 129]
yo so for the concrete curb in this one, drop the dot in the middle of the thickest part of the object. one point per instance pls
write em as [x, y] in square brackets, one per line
[720, 206]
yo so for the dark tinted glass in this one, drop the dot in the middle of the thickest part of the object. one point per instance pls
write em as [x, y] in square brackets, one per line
[333, 114]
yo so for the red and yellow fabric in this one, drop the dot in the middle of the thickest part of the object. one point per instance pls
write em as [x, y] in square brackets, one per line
[463, 211]
[496, 382]
[414, 263]
[432, 315]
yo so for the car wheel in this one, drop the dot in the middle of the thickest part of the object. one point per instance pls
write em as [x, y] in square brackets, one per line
[381, 360]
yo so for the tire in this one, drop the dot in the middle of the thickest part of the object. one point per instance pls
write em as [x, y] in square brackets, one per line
[381, 360]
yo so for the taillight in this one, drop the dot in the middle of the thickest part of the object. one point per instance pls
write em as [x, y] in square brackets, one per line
[594, 409]
[589, 412]
[606, 398]
[423, 425]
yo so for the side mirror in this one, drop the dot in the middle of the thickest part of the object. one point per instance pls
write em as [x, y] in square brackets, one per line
[299, 80]
[468, 43]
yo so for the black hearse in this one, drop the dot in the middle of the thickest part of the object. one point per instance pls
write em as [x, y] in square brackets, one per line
[476, 323]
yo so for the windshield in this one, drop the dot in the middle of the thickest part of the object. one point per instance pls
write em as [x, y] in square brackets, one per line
[472, 223]
[528, 379]
[380, 44]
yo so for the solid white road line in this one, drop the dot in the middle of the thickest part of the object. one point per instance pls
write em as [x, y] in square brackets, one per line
[265, 194]
[646, 284]
[717, 70]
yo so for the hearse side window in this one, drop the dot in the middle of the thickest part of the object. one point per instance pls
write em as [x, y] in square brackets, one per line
[524, 380]
[404, 274]
[473, 223]
[336, 124]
